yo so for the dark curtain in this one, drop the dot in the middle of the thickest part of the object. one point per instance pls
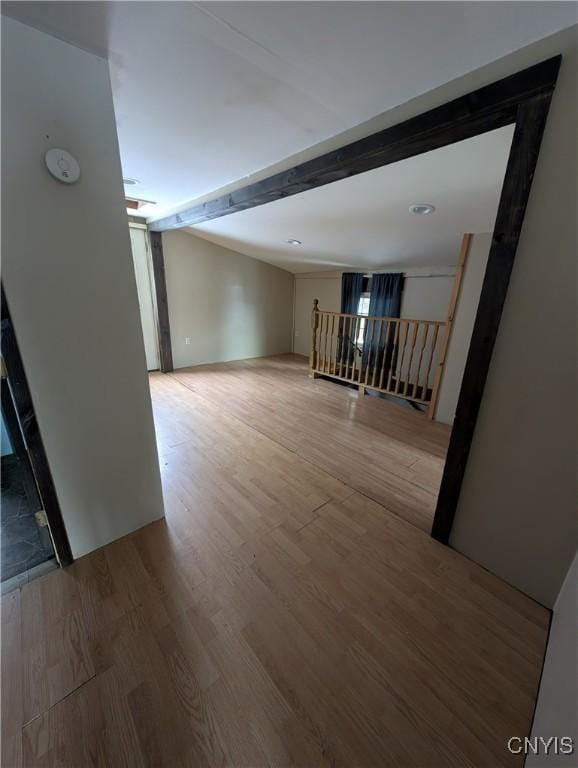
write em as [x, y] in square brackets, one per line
[351, 290]
[385, 301]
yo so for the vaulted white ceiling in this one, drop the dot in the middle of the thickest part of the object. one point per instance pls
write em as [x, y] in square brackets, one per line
[364, 221]
[208, 93]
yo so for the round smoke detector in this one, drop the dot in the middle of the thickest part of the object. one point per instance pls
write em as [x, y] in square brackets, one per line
[62, 165]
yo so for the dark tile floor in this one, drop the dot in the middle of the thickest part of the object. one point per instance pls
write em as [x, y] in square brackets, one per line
[23, 543]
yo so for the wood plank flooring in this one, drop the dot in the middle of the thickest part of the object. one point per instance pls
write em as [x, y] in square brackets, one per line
[388, 452]
[279, 616]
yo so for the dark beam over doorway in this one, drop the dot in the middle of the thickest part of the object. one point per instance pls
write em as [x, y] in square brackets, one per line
[522, 99]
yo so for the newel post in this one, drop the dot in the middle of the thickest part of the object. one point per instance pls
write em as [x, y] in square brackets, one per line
[314, 327]
[464, 250]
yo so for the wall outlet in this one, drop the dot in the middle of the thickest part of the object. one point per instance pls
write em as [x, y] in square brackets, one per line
[187, 339]
[296, 333]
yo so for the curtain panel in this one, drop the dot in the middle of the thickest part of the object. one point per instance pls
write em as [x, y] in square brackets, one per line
[351, 290]
[385, 301]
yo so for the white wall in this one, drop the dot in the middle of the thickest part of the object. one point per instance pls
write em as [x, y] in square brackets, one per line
[69, 280]
[557, 705]
[517, 510]
[324, 286]
[462, 327]
[230, 306]
[426, 296]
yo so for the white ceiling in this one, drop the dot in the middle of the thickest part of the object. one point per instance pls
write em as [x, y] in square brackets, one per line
[364, 221]
[209, 93]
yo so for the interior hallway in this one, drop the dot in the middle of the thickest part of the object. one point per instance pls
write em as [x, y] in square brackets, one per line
[277, 616]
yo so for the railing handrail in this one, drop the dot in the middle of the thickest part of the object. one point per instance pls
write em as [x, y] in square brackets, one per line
[389, 354]
[396, 356]
[381, 317]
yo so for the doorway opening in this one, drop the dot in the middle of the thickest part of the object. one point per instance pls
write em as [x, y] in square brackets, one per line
[26, 541]
[522, 101]
[143, 268]
[33, 535]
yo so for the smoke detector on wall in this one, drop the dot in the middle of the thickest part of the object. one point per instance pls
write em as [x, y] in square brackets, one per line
[62, 165]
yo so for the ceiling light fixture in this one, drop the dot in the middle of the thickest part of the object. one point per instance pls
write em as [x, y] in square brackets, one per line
[292, 241]
[130, 182]
[422, 209]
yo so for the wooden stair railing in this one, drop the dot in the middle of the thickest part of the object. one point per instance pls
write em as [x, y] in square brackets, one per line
[400, 357]
[397, 356]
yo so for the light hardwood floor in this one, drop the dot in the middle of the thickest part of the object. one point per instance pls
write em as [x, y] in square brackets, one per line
[387, 451]
[279, 616]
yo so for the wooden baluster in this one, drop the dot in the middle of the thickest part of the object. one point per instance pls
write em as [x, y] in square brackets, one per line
[400, 372]
[314, 322]
[338, 347]
[369, 342]
[328, 345]
[359, 353]
[360, 363]
[394, 354]
[336, 343]
[331, 355]
[324, 321]
[431, 357]
[361, 320]
[318, 343]
[407, 378]
[360, 366]
[322, 338]
[347, 334]
[329, 342]
[353, 337]
[336, 370]
[352, 346]
[317, 340]
[351, 355]
[363, 341]
[388, 332]
[376, 356]
[343, 370]
[371, 328]
[330, 319]
[342, 322]
[423, 343]
[372, 352]
[344, 357]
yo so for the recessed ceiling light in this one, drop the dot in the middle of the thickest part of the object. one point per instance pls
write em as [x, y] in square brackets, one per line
[292, 241]
[130, 182]
[422, 209]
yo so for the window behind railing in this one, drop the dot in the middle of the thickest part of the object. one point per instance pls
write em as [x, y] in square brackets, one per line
[362, 309]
